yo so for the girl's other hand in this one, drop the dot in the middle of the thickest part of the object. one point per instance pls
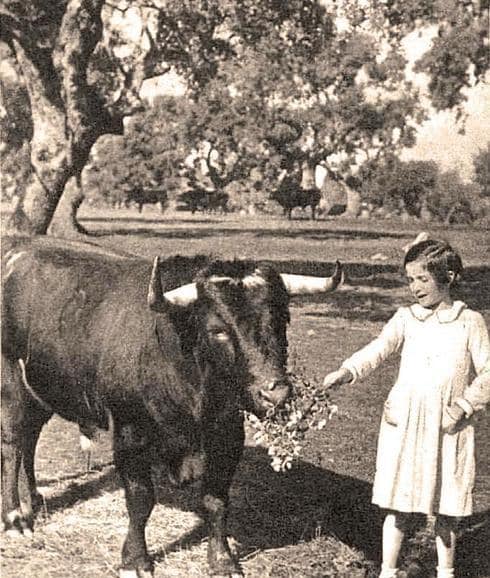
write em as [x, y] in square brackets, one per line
[337, 378]
[452, 418]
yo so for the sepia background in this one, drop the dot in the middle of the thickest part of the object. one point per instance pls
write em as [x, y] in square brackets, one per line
[160, 128]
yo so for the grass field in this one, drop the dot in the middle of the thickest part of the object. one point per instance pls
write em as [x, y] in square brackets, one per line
[316, 520]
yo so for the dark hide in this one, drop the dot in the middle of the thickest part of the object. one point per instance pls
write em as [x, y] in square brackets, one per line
[142, 196]
[199, 199]
[290, 195]
[80, 340]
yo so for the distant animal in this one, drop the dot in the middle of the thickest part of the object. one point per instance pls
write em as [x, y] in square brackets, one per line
[200, 199]
[336, 209]
[171, 353]
[289, 195]
[141, 196]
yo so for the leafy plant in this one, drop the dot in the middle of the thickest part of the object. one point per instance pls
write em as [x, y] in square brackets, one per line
[283, 431]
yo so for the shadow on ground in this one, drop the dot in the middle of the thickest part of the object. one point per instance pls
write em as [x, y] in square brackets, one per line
[142, 228]
[269, 511]
[81, 487]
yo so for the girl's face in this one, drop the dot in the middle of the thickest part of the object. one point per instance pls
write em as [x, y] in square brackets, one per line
[424, 286]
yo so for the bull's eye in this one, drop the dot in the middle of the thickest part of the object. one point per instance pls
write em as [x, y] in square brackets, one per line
[221, 336]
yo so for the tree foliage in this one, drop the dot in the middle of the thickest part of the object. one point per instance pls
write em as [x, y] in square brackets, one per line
[452, 200]
[270, 84]
[15, 131]
[401, 185]
[481, 164]
[150, 154]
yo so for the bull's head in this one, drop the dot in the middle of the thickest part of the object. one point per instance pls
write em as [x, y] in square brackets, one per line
[241, 315]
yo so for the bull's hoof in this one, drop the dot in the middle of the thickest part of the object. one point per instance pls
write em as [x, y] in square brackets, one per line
[16, 525]
[135, 573]
[229, 570]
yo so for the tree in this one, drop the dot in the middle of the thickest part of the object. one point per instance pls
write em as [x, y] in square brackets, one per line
[451, 200]
[83, 78]
[15, 130]
[481, 164]
[150, 154]
[459, 52]
[401, 185]
[52, 44]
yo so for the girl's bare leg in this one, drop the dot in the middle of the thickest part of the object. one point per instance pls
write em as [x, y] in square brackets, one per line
[394, 529]
[445, 530]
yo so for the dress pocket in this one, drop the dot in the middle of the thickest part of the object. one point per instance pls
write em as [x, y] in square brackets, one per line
[393, 409]
[389, 414]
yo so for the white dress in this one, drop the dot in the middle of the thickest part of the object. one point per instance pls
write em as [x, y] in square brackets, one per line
[419, 468]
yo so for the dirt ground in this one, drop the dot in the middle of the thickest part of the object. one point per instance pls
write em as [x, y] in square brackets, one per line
[314, 521]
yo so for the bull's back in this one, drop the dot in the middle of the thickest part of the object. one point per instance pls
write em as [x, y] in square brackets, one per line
[54, 292]
[80, 317]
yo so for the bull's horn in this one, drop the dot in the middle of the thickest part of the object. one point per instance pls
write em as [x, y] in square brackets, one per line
[307, 284]
[158, 300]
[155, 297]
[183, 295]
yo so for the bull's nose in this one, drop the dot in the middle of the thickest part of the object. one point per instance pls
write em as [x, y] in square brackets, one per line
[267, 396]
[275, 392]
[280, 383]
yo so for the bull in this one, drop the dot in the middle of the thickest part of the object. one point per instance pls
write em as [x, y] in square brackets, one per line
[170, 354]
[200, 199]
[146, 196]
[290, 194]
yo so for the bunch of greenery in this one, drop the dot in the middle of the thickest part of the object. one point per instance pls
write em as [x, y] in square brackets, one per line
[283, 431]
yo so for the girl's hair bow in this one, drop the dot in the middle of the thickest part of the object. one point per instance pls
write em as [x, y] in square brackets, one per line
[422, 236]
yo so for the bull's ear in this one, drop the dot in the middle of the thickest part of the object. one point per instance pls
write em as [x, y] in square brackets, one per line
[307, 284]
[156, 300]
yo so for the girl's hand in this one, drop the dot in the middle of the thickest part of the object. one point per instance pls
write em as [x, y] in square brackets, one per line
[451, 418]
[337, 378]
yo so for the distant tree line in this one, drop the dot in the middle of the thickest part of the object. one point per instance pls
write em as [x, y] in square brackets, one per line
[270, 87]
[157, 151]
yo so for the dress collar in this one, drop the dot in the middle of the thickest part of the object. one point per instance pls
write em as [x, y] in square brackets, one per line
[443, 315]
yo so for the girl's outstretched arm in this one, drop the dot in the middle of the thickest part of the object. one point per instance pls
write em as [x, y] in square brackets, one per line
[367, 359]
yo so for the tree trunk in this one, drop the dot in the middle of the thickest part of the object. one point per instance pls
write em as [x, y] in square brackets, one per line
[64, 222]
[447, 218]
[353, 202]
[308, 180]
[68, 116]
[48, 154]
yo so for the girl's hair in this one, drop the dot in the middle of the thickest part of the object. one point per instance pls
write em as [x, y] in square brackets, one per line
[441, 258]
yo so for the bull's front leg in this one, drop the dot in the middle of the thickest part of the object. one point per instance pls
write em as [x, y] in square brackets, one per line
[223, 445]
[132, 461]
[15, 522]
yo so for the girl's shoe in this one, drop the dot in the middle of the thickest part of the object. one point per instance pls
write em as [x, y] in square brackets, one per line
[388, 572]
[445, 572]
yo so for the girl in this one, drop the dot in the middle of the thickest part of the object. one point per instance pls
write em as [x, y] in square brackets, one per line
[425, 461]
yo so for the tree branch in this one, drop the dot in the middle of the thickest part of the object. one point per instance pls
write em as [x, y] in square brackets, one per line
[86, 117]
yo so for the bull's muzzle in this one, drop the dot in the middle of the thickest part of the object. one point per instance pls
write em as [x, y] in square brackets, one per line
[275, 394]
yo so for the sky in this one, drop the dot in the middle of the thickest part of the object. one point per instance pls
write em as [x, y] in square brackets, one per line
[438, 138]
